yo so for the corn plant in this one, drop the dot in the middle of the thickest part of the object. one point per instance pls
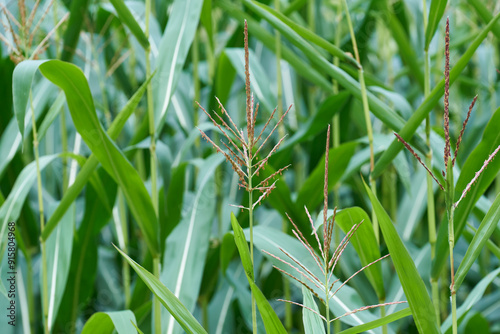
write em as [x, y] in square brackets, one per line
[119, 213]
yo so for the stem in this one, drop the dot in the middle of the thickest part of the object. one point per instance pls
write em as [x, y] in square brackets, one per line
[366, 111]
[382, 314]
[250, 222]
[327, 293]
[45, 292]
[450, 191]
[154, 193]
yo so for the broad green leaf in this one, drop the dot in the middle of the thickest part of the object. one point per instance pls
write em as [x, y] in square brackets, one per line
[271, 321]
[489, 142]
[81, 105]
[311, 194]
[92, 162]
[474, 296]
[480, 239]
[172, 53]
[364, 243]
[379, 322]
[344, 301]
[21, 87]
[167, 298]
[107, 322]
[187, 245]
[313, 324]
[408, 130]
[436, 12]
[128, 19]
[413, 286]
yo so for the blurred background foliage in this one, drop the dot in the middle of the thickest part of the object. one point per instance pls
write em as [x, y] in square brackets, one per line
[196, 48]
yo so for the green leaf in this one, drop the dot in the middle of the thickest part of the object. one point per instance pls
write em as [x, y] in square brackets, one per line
[268, 39]
[21, 87]
[172, 53]
[227, 249]
[344, 301]
[241, 244]
[435, 15]
[311, 194]
[128, 19]
[480, 239]
[11, 208]
[106, 322]
[259, 80]
[413, 285]
[271, 321]
[474, 296]
[489, 142]
[92, 162]
[312, 37]
[379, 109]
[167, 298]
[485, 14]
[313, 324]
[187, 245]
[317, 122]
[81, 105]
[78, 13]
[364, 243]
[408, 130]
[379, 322]
[59, 248]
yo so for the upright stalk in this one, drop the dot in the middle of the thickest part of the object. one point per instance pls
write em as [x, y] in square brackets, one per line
[45, 292]
[366, 112]
[250, 223]
[152, 148]
[450, 207]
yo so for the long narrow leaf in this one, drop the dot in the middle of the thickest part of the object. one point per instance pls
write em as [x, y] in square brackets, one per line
[408, 130]
[167, 298]
[81, 105]
[413, 285]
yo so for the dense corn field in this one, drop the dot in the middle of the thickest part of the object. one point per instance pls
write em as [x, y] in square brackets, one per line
[216, 166]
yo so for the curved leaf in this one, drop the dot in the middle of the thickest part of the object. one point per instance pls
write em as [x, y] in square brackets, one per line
[167, 298]
[107, 322]
[480, 239]
[413, 285]
[128, 19]
[81, 105]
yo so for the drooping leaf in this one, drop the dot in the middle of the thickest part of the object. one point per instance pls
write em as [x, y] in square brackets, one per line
[413, 285]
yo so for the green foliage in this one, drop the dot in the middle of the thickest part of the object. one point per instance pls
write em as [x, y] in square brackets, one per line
[100, 120]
